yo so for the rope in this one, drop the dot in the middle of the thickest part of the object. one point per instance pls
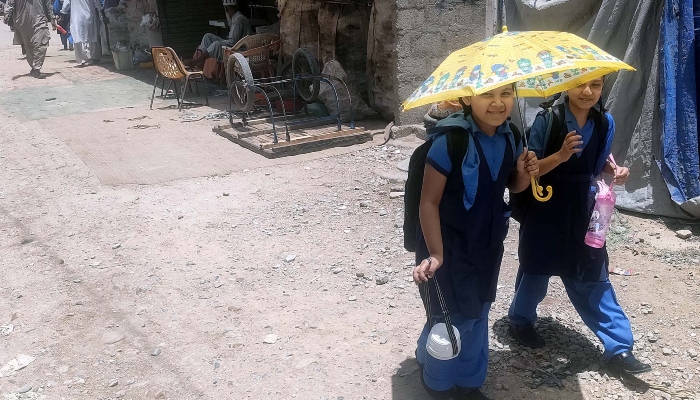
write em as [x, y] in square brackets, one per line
[445, 314]
[387, 134]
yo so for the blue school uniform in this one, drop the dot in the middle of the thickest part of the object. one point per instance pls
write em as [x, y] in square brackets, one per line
[65, 23]
[473, 227]
[552, 240]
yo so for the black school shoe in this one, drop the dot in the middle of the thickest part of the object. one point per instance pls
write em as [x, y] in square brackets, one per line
[626, 363]
[469, 394]
[526, 335]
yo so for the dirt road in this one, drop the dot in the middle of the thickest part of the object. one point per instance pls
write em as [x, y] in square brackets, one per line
[258, 280]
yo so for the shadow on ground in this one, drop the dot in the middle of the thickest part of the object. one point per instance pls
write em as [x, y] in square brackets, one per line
[28, 75]
[516, 372]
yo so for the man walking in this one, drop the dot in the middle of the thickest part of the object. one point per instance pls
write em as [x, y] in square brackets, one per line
[29, 19]
[85, 29]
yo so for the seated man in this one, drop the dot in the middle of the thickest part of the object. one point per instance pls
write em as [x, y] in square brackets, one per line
[211, 44]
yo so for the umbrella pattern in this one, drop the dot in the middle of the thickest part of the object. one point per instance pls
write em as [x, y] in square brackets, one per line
[540, 63]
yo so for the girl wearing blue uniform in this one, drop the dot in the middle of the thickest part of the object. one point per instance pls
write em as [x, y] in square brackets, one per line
[552, 235]
[63, 22]
[463, 222]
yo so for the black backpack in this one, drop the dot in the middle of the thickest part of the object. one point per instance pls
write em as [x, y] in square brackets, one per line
[456, 130]
[520, 203]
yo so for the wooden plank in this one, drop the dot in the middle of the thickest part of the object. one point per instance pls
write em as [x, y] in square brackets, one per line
[306, 147]
[280, 129]
[235, 139]
[328, 16]
[302, 141]
[295, 139]
[257, 121]
[305, 139]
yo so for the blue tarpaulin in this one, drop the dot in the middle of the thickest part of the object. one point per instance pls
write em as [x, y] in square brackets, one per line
[680, 163]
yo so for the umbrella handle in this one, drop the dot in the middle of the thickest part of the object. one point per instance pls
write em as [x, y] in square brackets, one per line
[537, 190]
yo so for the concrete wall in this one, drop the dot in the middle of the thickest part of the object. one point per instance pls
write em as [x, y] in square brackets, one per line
[135, 10]
[426, 32]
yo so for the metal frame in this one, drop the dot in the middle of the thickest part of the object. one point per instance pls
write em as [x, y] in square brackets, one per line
[271, 84]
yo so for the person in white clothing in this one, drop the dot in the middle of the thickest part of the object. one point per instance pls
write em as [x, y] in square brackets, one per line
[85, 27]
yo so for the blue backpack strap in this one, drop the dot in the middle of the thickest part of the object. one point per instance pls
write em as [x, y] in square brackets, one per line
[456, 120]
[457, 142]
[602, 126]
[555, 133]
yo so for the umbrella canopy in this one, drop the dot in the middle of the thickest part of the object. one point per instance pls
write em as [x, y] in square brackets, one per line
[540, 63]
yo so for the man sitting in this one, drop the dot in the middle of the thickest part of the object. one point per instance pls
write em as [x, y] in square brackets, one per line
[211, 45]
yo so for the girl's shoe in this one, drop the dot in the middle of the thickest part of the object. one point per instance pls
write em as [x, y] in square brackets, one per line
[526, 335]
[469, 394]
[626, 363]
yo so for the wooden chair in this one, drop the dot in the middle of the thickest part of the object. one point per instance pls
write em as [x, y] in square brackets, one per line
[258, 50]
[169, 66]
[260, 62]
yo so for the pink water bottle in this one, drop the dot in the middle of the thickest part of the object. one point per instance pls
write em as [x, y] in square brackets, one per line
[602, 214]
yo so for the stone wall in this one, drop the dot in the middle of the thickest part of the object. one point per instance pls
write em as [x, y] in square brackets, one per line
[125, 23]
[426, 32]
[135, 10]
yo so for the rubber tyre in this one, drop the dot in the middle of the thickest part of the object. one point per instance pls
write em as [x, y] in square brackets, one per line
[240, 82]
[305, 63]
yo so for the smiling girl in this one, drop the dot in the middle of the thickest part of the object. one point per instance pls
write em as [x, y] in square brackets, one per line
[552, 235]
[463, 222]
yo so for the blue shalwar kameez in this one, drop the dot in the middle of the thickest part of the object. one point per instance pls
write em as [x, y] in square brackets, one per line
[473, 250]
[552, 241]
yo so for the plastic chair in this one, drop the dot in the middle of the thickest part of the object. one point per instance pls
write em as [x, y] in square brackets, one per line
[169, 66]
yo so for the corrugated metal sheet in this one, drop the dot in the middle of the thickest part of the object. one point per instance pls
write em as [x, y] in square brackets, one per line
[184, 22]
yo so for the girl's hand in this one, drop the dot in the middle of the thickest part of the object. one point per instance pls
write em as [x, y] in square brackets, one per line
[426, 269]
[528, 163]
[532, 164]
[572, 145]
[621, 175]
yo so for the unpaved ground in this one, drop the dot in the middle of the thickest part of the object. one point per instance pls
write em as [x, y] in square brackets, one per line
[171, 290]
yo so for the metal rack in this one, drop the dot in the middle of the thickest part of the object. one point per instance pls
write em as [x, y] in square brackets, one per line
[305, 80]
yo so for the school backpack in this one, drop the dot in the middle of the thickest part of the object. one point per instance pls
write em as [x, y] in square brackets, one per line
[456, 128]
[520, 203]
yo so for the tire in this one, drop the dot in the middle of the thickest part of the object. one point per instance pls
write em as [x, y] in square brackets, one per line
[305, 63]
[240, 82]
[285, 72]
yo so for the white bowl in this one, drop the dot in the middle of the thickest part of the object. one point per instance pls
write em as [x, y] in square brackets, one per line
[439, 345]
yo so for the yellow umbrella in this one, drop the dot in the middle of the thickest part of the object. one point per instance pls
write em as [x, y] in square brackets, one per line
[541, 63]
